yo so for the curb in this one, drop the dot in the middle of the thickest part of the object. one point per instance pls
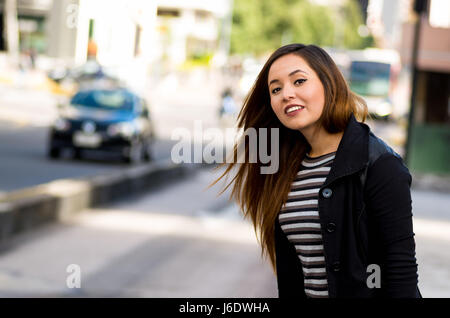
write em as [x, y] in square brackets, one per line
[431, 182]
[26, 209]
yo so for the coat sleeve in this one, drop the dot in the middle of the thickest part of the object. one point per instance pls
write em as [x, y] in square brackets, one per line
[388, 200]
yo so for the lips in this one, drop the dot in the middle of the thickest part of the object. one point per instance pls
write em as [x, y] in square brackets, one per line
[293, 108]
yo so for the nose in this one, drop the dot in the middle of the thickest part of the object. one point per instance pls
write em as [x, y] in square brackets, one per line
[288, 92]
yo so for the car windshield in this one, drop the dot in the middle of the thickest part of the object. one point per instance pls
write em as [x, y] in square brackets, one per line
[109, 100]
[370, 78]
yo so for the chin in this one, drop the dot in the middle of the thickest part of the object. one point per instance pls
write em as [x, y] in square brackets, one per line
[295, 126]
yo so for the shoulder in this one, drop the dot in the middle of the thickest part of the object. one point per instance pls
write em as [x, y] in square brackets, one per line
[378, 148]
[384, 163]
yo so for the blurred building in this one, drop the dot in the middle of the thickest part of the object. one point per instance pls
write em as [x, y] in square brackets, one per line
[113, 32]
[392, 23]
[122, 30]
[385, 19]
[31, 16]
[190, 29]
[430, 136]
[169, 30]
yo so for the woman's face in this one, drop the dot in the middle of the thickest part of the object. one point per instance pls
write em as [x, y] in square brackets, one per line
[296, 93]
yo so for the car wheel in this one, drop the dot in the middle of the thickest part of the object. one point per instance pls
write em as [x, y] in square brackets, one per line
[54, 153]
[77, 154]
[135, 153]
[148, 153]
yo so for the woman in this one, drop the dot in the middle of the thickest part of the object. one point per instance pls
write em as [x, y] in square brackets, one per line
[335, 219]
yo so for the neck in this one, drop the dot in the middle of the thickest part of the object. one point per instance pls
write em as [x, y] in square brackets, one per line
[322, 142]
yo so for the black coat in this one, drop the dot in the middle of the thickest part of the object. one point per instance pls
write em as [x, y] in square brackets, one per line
[359, 226]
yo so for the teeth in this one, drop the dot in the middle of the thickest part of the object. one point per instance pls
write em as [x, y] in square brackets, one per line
[294, 108]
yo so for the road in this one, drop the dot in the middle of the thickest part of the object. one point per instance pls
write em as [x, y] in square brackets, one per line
[24, 163]
[181, 241]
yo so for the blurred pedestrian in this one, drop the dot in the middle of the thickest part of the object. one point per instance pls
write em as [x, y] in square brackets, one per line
[335, 219]
[92, 50]
[228, 106]
[33, 54]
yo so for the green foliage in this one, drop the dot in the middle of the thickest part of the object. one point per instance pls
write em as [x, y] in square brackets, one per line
[351, 14]
[261, 26]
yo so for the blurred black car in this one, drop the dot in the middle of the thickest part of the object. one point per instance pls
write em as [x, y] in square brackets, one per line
[114, 120]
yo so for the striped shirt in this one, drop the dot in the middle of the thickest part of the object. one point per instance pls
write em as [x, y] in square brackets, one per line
[299, 220]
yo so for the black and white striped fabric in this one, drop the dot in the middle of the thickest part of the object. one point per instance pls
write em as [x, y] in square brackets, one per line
[299, 219]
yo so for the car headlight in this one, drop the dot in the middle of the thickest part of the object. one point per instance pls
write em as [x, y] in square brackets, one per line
[125, 129]
[384, 109]
[61, 124]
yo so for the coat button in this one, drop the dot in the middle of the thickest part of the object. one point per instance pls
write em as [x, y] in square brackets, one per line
[331, 227]
[327, 193]
[336, 267]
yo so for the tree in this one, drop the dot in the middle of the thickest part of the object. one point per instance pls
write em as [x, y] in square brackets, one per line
[261, 26]
[351, 14]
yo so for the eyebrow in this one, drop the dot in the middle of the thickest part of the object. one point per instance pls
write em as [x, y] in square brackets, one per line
[290, 74]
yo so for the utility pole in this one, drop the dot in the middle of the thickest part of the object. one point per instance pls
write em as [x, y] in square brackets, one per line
[420, 6]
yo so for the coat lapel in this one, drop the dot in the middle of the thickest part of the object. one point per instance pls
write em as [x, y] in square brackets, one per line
[353, 151]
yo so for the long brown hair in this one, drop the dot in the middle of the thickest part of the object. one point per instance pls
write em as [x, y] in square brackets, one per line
[261, 196]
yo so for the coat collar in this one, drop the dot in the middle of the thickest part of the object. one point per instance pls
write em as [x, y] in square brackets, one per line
[352, 154]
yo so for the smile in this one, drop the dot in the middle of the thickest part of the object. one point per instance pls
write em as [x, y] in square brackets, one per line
[290, 110]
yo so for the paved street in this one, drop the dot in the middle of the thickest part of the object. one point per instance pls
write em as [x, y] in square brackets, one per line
[433, 259]
[181, 241]
[24, 162]
[432, 229]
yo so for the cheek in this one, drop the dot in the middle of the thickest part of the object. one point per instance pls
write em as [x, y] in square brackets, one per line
[278, 110]
[277, 103]
[319, 99]
[274, 104]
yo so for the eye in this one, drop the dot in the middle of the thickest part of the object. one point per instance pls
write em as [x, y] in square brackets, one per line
[300, 81]
[275, 90]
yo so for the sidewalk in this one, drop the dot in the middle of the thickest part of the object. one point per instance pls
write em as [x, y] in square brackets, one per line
[432, 240]
[145, 246]
[26, 97]
[431, 225]
[431, 182]
[27, 107]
